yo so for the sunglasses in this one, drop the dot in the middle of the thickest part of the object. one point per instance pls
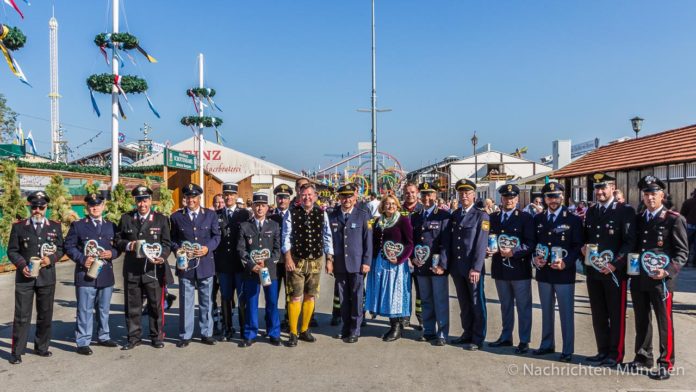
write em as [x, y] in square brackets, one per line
[38, 208]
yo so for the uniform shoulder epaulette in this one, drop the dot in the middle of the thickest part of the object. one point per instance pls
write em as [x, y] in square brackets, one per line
[370, 223]
[673, 213]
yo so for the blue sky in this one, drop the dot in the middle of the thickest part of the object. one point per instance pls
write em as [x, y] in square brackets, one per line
[291, 74]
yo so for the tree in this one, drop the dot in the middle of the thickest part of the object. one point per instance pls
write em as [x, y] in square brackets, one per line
[8, 120]
[166, 201]
[11, 202]
[120, 203]
[61, 203]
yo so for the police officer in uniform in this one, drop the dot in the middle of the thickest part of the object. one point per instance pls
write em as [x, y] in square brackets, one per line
[430, 266]
[141, 274]
[198, 226]
[661, 235]
[259, 247]
[465, 249]
[511, 267]
[89, 290]
[352, 247]
[228, 266]
[282, 195]
[611, 226]
[557, 227]
[27, 239]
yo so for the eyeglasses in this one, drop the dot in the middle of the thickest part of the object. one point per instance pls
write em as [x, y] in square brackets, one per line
[38, 208]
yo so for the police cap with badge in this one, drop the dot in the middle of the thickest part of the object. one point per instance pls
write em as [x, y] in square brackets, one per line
[93, 199]
[282, 190]
[601, 180]
[229, 187]
[651, 184]
[347, 190]
[38, 199]
[465, 185]
[259, 197]
[509, 190]
[552, 189]
[192, 190]
[141, 192]
[426, 187]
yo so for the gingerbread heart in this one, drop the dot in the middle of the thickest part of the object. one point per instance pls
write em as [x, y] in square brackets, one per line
[92, 248]
[601, 260]
[190, 247]
[48, 249]
[152, 251]
[259, 255]
[652, 262]
[542, 251]
[393, 249]
[508, 242]
[422, 252]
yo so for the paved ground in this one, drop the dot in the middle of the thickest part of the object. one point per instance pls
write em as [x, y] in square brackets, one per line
[329, 364]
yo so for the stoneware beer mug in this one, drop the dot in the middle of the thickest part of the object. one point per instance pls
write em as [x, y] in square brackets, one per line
[34, 266]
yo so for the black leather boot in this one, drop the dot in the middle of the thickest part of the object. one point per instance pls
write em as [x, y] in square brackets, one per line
[395, 331]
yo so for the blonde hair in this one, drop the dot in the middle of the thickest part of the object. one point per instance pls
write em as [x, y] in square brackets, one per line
[384, 200]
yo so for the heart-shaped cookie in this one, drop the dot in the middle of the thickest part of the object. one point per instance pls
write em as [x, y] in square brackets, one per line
[190, 247]
[152, 251]
[92, 248]
[421, 253]
[48, 249]
[601, 260]
[508, 242]
[652, 261]
[393, 249]
[259, 255]
[542, 251]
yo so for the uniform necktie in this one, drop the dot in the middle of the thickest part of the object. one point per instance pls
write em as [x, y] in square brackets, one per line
[648, 217]
[345, 217]
[551, 218]
[142, 219]
[602, 209]
[193, 217]
[260, 226]
[504, 218]
[98, 224]
[38, 226]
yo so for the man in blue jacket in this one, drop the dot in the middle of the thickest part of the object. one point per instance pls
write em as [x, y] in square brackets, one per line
[92, 228]
[352, 246]
[466, 241]
[200, 228]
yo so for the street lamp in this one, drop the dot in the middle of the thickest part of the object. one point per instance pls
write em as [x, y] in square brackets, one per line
[636, 123]
[474, 141]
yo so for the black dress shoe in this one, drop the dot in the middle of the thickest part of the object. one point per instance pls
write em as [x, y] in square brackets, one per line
[660, 374]
[544, 351]
[170, 301]
[107, 343]
[440, 342]
[522, 348]
[183, 343]
[44, 354]
[566, 358]
[15, 359]
[471, 347]
[131, 345]
[597, 358]
[292, 341]
[461, 340]
[313, 322]
[609, 363]
[637, 364]
[336, 320]
[275, 341]
[209, 340]
[500, 343]
[363, 323]
[84, 350]
[157, 344]
[306, 336]
[426, 338]
[284, 326]
[339, 336]
[246, 343]
[351, 339]
[228, 335]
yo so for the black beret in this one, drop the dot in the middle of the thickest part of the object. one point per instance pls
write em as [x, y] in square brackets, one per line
[509, 190]
[260, 197]
[192, 190]
[600, 180]
[229, 187]
[282, 190]
[94, 199]
[553, 188]
[347, 189]
[38, 198]
[651, 184]
[465, 184]
[427, 187]
[141, 192]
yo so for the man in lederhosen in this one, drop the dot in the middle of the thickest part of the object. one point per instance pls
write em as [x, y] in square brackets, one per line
[511, 267]
[228, 266]
[142, 274]
[92, 293]
[42, 239]
[661, 236]
[611, 226]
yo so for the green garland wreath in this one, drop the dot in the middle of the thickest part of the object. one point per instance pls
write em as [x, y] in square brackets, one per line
[201, 92]
[204, 121]
[103, 83]
[127, 41]
[14, 39]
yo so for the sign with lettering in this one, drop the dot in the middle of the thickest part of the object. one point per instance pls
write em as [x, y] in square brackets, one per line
[179, 160]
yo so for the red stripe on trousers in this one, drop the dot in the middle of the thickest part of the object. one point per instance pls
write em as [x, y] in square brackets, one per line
[622, 325]
[670, 338]
[162, 306]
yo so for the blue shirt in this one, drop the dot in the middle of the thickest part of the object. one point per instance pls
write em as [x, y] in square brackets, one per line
[326, 234]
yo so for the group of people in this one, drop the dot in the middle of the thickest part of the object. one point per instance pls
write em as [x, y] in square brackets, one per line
[375, 259]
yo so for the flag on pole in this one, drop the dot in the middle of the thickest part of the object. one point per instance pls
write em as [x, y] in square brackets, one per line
[29, 143]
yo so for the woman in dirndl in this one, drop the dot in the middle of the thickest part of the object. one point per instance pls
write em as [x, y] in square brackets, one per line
[388, 292]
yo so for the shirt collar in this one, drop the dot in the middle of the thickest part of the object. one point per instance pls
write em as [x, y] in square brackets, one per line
[609, 203]
[554, 213]
[143, 216]
[466, 210]
[655, 213]
[194, 212]
[349, 211]
[95, 219]
[259, 221]
[430, 210]
[507, 214]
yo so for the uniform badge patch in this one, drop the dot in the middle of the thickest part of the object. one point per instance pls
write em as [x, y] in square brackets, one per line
[485, 225]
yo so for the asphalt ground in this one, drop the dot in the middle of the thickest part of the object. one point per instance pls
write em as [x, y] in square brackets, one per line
[330, 364]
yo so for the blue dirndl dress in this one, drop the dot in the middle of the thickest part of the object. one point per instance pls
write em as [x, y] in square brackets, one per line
[388, 291]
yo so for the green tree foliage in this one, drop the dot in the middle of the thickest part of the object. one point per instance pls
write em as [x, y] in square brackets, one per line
[166, 201]
[120, 203]
[61, 203]
[8, 120]
[11, 202]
